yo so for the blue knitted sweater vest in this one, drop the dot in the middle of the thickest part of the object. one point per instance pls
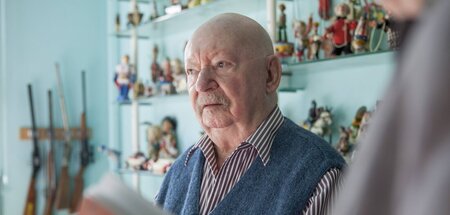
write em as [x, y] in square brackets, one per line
[298, 160]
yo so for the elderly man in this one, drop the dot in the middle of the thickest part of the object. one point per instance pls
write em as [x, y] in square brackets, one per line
[252, 159]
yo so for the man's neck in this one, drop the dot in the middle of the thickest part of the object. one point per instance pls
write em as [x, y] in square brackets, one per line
[226, 140]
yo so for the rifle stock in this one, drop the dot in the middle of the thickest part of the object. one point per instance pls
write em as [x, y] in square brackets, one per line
[30, 205]
[78, 191]
[62, 194]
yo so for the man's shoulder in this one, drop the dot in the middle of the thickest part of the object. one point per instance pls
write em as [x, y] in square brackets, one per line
[301, 142]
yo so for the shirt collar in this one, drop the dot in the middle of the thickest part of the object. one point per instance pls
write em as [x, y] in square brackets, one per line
[261, 139]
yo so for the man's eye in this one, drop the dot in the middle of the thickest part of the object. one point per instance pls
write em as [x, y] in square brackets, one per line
[189, 71]
[221, 65]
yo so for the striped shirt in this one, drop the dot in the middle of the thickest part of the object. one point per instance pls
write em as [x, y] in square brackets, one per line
[216, 183]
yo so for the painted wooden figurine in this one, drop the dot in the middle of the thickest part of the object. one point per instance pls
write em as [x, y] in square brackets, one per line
[283, 48]
[341, 30]
[343, 146]
[155, 68]
[134, 17]
[124, 78]
[315, 41]
[301, 31]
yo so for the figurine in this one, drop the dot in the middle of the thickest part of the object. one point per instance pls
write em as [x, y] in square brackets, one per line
[322, 126]
[283, 48]
[169, 140]
[360, 36]
[153, 11]
[315, 40]
[134, 17]
[179, 76]
[138, 89]
[124, 78]
[324, 9]
[343, 146]
[156, 70]
[193, 3]
[282, 35]
[118, 23]
[136, 161]
[166, 79]
[340, 30]
[312, 115]
[356, 123]
[154, 136]
[301, 31]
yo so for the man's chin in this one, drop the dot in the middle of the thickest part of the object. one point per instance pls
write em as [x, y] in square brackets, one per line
[214, 122]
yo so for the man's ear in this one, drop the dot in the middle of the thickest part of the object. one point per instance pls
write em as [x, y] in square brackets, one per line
[273, 73]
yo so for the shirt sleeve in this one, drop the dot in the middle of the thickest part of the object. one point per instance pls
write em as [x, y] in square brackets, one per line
[325, 194]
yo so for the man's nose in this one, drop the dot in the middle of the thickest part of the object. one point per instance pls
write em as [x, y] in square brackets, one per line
[206, 80]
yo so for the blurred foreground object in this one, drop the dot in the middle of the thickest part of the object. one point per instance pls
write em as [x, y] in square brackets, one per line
[112, 197]
[402, 166]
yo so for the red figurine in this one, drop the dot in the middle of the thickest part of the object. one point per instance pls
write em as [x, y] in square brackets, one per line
[324, 9]
[341, 30]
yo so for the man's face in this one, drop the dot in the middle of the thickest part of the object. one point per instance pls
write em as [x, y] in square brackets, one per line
[226, 82]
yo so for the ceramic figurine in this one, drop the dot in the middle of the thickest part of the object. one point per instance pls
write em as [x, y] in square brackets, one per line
[155, 69]
[154, 136]
[364, 124]
[179, 76]
[315, 41]
[360, 37]
[340, 30]
[301, 31]
[124, 78]
[169, 140]
[356, 122]
[134, 17]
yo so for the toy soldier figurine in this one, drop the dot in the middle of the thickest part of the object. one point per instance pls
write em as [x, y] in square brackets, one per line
[315, 40]
[341, 30]
[156, 70]
[301, 31]
[124, 78]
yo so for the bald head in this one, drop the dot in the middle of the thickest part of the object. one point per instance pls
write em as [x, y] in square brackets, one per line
[244, 33]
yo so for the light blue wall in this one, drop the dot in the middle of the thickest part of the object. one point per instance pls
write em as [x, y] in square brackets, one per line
[36, 34]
